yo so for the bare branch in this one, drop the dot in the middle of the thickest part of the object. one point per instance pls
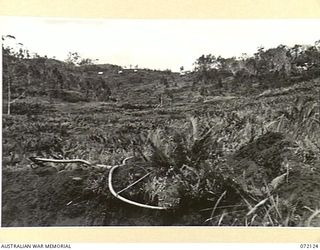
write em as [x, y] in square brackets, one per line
[315, 214]
[126, 159]
[134, 183]
[36, 160]
[19, 97]
[114, 193]
[257, 206]
[215, 206]
[112, 169]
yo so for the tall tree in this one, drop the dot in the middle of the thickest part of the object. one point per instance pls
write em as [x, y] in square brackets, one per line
[10, 68]
[205, 66]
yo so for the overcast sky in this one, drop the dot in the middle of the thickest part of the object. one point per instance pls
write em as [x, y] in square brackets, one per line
[156, 44]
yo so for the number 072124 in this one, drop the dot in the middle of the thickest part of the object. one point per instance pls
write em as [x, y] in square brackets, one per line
[309, 246]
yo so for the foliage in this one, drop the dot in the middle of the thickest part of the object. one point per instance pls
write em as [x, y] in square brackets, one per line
[273, 67]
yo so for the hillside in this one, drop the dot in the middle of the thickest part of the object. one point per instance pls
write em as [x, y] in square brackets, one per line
[50, 78]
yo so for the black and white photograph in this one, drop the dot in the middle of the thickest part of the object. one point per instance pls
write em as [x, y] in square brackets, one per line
[160, 122]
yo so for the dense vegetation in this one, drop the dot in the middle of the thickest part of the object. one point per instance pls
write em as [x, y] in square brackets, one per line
[234, 142]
